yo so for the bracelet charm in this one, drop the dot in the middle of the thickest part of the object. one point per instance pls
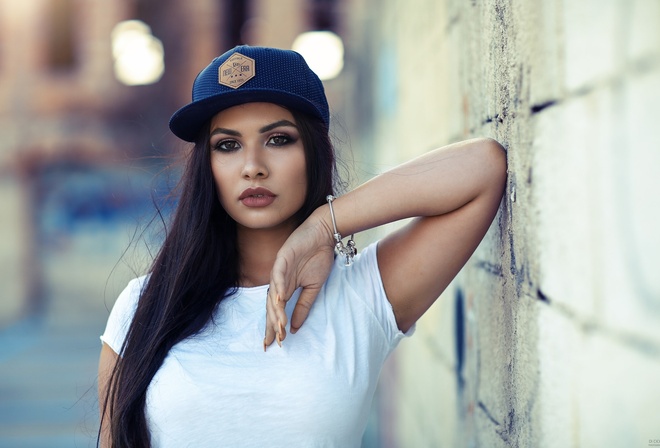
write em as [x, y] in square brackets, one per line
[350, 250]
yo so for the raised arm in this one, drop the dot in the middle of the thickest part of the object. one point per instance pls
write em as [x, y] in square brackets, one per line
[453, 192]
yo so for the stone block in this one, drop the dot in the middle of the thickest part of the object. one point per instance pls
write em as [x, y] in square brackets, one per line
[588, 376]
[559, 352]
[538, 52]
[590, 33]
[488, 356]
[616, 395]
[643, 17]
[566, 150]
[630, 212]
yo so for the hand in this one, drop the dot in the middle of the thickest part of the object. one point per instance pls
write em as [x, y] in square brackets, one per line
[305, 260]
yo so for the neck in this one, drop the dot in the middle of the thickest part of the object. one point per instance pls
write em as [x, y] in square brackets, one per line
[257, 251]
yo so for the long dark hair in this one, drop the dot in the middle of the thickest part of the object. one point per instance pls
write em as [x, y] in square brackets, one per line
[195, 268]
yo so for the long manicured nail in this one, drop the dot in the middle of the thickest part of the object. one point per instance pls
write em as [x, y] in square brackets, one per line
[279, 341]
[264, 345]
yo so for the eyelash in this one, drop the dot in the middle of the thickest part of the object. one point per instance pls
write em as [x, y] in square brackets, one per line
[219, 146]
[287, 139]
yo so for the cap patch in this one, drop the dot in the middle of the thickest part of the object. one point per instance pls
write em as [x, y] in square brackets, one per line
[236, 71]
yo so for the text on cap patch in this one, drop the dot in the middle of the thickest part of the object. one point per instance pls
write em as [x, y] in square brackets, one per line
[236, 71]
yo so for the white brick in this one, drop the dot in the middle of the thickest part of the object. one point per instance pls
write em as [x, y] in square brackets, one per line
[566, 149]
[594, 390]
[617, 394]
[590, 41]
[596, 193]
[644, 25]
[536, 22]
[486, 433]
[630, 212]
[559, 351]
[488, 353]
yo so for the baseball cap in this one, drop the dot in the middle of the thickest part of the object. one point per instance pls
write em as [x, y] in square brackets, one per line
[247, 74]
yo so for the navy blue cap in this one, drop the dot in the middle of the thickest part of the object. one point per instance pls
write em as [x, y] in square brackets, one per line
[248, 74]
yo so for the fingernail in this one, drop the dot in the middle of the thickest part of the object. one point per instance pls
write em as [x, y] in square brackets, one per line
[293, 330]
[264, 345]
[280, 326]
[279, 341]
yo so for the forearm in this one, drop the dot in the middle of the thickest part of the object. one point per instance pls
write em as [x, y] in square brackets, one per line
[433, 184]
[458, 188]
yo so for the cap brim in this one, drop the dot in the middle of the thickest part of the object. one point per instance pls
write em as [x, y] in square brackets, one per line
[187, 122]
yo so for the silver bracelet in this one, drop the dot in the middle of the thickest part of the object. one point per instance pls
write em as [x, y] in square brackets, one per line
[348, 251]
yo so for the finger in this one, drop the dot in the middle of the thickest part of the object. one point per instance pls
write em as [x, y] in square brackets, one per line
[270, 335]
[280, 319]
[282, 292]
[276, 319]
[281, 333]
[278, 283]
[300, 312]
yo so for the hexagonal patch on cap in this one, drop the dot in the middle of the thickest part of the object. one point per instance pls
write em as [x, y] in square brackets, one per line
[236, 71]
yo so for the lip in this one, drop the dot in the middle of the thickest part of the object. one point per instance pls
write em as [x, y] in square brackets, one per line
[257, 197]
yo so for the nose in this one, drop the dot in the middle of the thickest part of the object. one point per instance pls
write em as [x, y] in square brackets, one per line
[254, 165]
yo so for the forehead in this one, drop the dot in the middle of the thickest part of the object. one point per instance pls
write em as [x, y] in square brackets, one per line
[257, 114]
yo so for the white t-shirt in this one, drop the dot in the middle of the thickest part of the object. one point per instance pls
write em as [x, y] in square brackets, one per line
[219, 388]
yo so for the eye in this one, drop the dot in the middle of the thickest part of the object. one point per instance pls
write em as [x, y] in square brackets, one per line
[226, 146]
[280, 140]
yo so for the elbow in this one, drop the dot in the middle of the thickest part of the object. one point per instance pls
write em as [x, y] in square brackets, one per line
[492, 167]
[494, 152]
[494, 160]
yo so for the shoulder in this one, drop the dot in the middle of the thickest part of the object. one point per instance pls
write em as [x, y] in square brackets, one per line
[122, 313]
[130, 296]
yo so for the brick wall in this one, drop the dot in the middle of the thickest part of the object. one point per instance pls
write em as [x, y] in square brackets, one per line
[550, 336]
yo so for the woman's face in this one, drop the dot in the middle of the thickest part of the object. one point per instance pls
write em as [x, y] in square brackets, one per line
[258, 163]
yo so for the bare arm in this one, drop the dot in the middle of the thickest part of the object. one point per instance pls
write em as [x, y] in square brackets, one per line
[106, 365]
[454, 192]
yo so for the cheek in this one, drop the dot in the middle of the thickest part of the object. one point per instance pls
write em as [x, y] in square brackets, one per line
[218, 176]
[300, 176]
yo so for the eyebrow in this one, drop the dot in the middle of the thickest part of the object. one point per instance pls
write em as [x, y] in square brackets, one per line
[268, 127]
[277, 124]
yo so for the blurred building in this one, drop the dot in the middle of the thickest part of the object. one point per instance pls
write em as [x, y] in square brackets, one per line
[71, 131]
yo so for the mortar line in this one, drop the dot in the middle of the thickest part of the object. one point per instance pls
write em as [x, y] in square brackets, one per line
[637, 342]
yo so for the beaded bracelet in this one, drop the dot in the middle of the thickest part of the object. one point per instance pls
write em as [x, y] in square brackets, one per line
[348, 251]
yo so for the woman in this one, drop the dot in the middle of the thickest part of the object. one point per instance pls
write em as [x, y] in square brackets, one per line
[249, 260]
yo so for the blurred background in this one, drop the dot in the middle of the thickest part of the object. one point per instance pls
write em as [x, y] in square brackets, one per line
[549, 337]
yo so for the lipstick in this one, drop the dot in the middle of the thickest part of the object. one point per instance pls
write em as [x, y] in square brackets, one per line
[257, 197]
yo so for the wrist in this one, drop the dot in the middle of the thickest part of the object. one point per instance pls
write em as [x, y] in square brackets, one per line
[347, 251]
[321, 221]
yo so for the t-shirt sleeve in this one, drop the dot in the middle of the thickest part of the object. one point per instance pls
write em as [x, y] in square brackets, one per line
[122, 314]
[364, 276]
